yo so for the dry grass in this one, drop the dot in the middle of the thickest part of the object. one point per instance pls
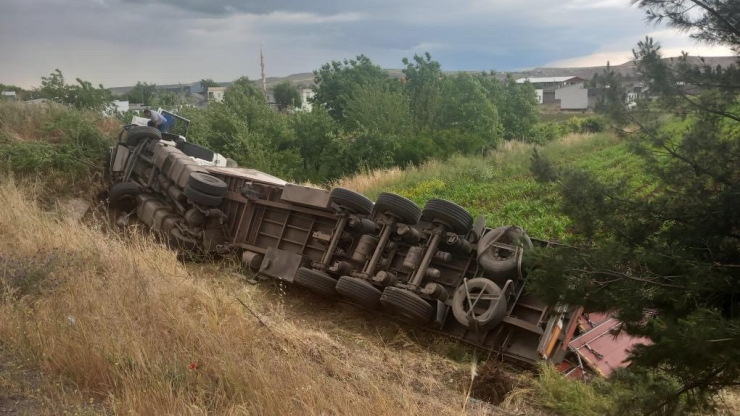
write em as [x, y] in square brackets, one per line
[116, 324]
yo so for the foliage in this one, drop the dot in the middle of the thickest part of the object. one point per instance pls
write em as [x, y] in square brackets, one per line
[63, 147]
[142, 93]
[337, 82]
[205, 83]
[286, 96]
[315, 134]
[423, 86]
[82, 96]
[466, 109]
[663, 256]
[518, 109]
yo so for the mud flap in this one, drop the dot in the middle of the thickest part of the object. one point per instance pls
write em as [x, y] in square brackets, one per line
[280, 264]
[440, 315]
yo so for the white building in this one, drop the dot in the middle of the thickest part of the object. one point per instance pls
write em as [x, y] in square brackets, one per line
[121, 106]
[9, 95]
[216, 94]
[306, 94]
[540, 96]
[572, 97]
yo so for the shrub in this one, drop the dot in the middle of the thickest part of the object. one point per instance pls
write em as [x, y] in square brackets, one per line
[593, 124]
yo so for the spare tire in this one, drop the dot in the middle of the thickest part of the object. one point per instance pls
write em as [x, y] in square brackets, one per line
[406, 305]
[405, 210]
[208, 184]
[454, 216]
[351, 200]
[316, 281]
[201, 198]
[501, 262]
[122, 196]
[134, 135]
[487, 311]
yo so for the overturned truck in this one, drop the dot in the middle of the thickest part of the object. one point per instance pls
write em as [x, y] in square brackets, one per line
[433, 266]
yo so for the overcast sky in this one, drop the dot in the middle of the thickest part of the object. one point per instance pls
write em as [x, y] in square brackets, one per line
[117, 42]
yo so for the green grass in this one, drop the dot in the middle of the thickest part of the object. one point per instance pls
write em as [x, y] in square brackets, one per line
[501, 187]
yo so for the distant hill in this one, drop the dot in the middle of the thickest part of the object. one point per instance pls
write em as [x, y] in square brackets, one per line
[627, 69]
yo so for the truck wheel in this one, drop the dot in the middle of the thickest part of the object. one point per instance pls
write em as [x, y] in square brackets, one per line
[487, 311]
[450, 214]
[201, 198]
[499, 261]
[136, 134]
[357, 203]
[406, 211]
[406, 305]
[359, 291]
[207, 184]
[316, 281]
[122, 196]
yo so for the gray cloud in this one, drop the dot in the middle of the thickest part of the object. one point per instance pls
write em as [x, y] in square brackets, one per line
[117, 42]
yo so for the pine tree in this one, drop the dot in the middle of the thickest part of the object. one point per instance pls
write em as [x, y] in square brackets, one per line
[667, 263]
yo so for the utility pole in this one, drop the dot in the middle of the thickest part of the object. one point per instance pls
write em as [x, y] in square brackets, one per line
[264, 79]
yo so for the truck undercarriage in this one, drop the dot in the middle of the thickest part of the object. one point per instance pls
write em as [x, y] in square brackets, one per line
[433, 266]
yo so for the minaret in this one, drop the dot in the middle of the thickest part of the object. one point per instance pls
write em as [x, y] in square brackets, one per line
[262, 64]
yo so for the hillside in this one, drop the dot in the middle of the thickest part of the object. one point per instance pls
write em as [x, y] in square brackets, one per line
[95, 320]
[627, 69]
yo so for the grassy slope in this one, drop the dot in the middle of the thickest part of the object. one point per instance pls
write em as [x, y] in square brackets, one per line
[501, 187]
[116, 321]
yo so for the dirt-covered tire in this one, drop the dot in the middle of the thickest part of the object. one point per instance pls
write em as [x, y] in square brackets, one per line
[122, 196]
[406, 305]
[201, 198]
[359, 291]
[498, 261]
[406, 211]
[136, 134]
[351, 200]
[207, 184]
[488, 312]
[454, 216]
[316, 281]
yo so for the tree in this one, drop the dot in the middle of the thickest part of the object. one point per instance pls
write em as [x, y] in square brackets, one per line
[205, 83]
[463, 106]
[518, 109]
[142, 93]
[286, 95]
[337, 82]
[423, 87]
[315, 132]
[82, 96]
[667, 264]
[53, 87]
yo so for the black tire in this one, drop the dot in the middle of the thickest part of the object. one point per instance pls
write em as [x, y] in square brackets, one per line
[359, 291]
[207, 184]
[122, 196]
[406, 211]
[499, 262]
[201, 198]
[136, 134]
[351, 200]
[316, 281]
[406, 305]
[489, 313]
[456, 217]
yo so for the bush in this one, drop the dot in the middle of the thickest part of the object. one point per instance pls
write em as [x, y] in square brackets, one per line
[546, 132]
[63, 145]
[593, 124]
